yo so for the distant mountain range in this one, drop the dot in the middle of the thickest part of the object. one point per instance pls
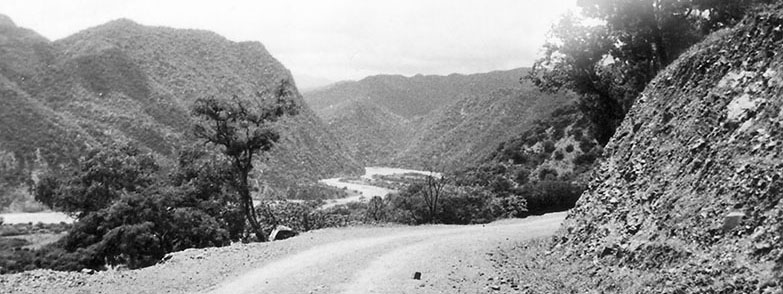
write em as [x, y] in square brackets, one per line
[122, 81]
[414, 96]
[431, 120]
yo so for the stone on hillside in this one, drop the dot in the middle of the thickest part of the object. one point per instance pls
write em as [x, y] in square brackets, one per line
[88, 271]
[282, 232]
[731, 220]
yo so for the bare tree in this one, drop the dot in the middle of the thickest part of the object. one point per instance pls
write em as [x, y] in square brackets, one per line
[432, 189]
[242, 129]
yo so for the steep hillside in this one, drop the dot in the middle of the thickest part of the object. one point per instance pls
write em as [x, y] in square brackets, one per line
[406, 122]
[558, 147]
[464, 132]
[412, 96]
[372, 134]
[689, 199]
[128, 82]
[28, 128]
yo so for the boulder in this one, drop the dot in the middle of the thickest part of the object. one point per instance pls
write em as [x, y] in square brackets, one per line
[281, 233]
[731, 220]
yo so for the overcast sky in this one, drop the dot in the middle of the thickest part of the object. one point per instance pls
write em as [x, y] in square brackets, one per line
[334, 40]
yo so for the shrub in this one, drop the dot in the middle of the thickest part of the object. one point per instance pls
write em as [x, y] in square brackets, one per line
[547, 174]
[585, 159]
[557, 133]
[586, 145]
[522, 176]
[376, 209]
[548, 146]
[466, 205]
[550, 196]
[459, 205]
[569, 148]
[558, 155]
[577, 133]
[519, 157]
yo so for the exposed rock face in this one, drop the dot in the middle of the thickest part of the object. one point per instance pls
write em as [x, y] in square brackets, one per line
[693, 183]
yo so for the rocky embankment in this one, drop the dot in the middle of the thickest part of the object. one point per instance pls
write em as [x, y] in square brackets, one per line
[690, 195]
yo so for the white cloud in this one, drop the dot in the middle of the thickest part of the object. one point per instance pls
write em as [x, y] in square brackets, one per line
[337, 40]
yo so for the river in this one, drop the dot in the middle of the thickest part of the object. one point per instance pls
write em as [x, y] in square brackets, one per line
[365, 192]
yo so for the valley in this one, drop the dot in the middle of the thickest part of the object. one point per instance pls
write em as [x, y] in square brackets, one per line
[638, 151]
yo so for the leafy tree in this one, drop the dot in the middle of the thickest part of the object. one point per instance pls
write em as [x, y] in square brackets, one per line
[100, 179]
[376, 209]
[242, 129]
[609, 64]
[130, 213]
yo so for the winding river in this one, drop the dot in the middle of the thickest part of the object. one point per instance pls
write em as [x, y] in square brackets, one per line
[364, 192]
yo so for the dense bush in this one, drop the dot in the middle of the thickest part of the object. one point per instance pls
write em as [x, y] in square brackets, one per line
[101, 177]
[547, 174]
[548, 146]
[130, 212]
[458, 205]
[308, 215]
[522, 176]
[315, 192]
[585, 158]
[558, 155]
[550, 196]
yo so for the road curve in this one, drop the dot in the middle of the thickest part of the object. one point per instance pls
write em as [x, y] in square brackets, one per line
[452, 259]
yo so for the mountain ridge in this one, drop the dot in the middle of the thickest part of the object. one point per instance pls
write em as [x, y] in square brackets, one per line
[412, 96]
[129, 82]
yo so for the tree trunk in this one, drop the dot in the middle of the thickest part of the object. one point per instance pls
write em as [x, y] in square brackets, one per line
[250, 210]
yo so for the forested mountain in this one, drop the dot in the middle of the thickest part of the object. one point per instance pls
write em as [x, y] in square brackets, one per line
[464, 132]
[414, 96]
[449, 121]
[373, 134]
[122, 81]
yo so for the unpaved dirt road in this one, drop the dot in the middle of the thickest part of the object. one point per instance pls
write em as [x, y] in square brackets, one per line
[451, 259]
[362, 259]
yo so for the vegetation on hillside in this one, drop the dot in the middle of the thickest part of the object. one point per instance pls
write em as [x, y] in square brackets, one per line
[463, 133]
[610, 63]
[372, 134]
[459, 127]
[410, 97]
[124, 82]
[689, 197]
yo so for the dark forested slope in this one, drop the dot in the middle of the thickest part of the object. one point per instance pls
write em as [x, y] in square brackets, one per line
[122, 81]
[466, 131]
[456, 120]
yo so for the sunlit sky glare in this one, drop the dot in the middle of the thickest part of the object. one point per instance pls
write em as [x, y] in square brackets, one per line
[334, 40]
